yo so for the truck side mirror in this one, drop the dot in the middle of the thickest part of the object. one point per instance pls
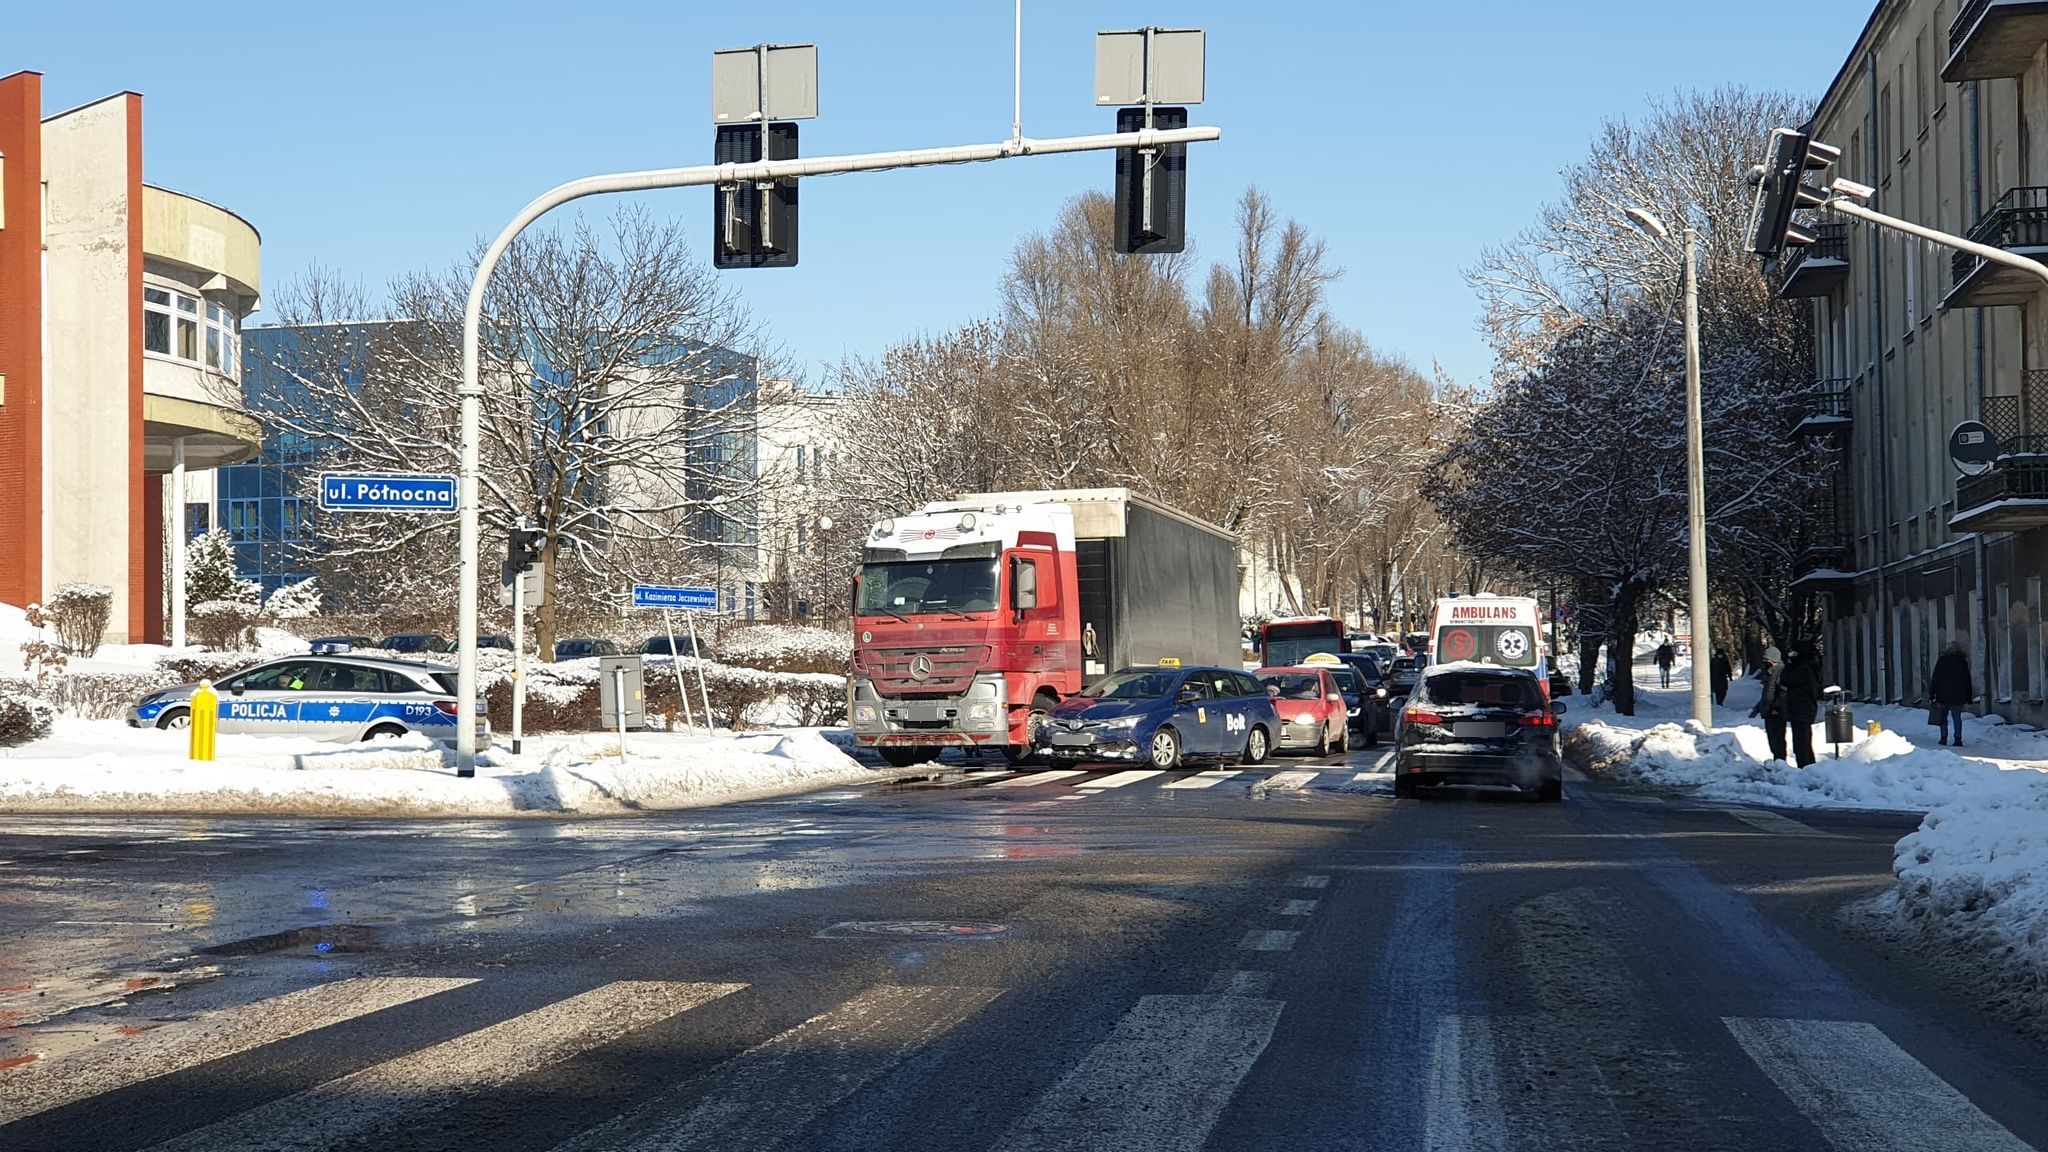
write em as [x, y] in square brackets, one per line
[1023, 584]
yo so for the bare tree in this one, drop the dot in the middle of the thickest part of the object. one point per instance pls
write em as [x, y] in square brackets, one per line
[617, 413]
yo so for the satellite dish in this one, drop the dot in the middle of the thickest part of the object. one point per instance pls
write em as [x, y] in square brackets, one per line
[1972, 448]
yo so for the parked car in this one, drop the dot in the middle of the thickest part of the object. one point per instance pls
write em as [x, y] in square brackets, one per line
[1164, 716]
[1488, 726]
[344, 698]
[1312, 709]
[685, 646]
[501, 643]
[331, 644]
[416, 642]
[1359, 676]
[583, 648]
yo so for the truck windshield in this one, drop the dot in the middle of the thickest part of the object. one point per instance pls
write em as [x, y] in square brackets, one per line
[908, 587]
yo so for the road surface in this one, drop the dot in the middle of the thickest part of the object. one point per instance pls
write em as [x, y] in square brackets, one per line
[1284, 958]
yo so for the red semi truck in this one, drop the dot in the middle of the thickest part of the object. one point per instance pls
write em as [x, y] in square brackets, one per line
[974, 616]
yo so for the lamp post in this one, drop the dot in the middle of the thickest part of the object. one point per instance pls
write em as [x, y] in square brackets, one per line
[1695, 467]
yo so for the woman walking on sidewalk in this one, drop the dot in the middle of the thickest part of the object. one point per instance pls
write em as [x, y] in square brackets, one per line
[1952, 691]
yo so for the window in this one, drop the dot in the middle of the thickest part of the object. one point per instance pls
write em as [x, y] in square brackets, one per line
[198, 520]
[156, 321]
[799, 460]
[178, 325]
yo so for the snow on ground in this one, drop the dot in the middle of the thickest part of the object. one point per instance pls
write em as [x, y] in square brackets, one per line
[102, 766]
[15, 631]
[1976, 870]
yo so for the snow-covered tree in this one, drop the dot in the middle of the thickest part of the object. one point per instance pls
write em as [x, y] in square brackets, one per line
[295, 601]
[210, 572]
[1571, 470]
[617, 415]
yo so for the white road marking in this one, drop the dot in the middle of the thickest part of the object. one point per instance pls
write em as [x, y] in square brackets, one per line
[1208, 779]
[771, 1091]
[1119, 779]
[1865, 1093]
[1295, 907]
[1037, 778]
[1259, 940]
[1462, 1104]
[1313, 882]
[1240, 983]
[1773, 822]
[383, 1095]
[1159, 1081]
[1288, 780]
[114, 1064]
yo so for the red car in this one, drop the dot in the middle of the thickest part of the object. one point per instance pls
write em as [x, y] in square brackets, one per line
[1312, 712]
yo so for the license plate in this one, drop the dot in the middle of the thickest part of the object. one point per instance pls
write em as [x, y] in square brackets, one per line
[1480, 729]
[1072, 740]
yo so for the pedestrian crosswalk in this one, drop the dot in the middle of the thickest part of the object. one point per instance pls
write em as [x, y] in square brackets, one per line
[1162, 1073]
[1085, 782]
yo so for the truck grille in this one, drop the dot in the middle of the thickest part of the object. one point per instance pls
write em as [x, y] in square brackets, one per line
[952, 669]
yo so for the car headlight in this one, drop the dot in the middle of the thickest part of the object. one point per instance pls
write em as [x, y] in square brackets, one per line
[1305, 718]
[1383, 693]
[1120, 724]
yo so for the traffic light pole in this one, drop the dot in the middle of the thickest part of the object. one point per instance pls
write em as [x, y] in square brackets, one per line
[1841, 203]
[702, 175]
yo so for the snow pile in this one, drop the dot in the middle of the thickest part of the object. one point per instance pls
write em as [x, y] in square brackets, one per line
[95, 766]
[1976, 872]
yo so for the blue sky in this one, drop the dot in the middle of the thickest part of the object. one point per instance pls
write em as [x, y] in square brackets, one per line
[376, 137]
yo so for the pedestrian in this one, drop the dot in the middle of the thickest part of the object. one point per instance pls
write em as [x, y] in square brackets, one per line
[1720, 673]
[1771, 704]
[1951, 690]
[1666, 656]
[1800, 687]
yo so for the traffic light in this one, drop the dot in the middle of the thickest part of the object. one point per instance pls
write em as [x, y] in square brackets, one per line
[522, 548]
[1152, 190]
[754, 224]
[1781, 190]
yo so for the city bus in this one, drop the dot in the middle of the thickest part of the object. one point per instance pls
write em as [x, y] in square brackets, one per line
[1285, 643]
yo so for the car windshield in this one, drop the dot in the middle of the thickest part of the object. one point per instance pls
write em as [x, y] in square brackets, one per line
[1347, 681]
[1293, 685]
[575, 649]
[659, 646]
[1483, 689]
[1151, 684]
[907, 587]
[412, 643]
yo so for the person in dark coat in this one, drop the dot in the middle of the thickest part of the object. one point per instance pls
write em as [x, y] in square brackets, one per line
[1771, 703]
[1952, 691]
[1666, 656]
[1801, 689]
[1720, 672]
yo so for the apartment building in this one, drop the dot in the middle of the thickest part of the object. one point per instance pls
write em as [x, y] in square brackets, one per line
[1943, 108]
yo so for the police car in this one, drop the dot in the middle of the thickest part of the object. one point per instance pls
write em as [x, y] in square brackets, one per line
[341, 698]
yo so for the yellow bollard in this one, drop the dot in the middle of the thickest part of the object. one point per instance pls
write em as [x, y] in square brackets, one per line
[1874, 728]
[205, 718]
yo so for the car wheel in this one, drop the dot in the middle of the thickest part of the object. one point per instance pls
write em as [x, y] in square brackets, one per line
[1255, 746]
[175, 718]
[1404, 788]
[1372, 734]
[1166, 749]
[386, 732]
[1552, 791]
[1041, 706]
[1343, 742]
[903, 756]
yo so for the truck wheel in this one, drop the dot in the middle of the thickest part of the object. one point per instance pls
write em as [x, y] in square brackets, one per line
[1041, 705]
[1166, 749]
[903, 756]
[1256, 745]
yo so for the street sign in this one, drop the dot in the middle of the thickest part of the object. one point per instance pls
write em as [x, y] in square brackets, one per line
[1149, 66]
[535, 592]
[765, 82]
[386, 492]
[1972, 448]
[666, 596]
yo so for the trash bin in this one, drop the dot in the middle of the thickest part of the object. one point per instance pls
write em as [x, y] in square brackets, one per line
[1841, 723]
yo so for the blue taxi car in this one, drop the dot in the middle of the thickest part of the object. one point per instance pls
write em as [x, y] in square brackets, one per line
[1163, 715]
[341, 698]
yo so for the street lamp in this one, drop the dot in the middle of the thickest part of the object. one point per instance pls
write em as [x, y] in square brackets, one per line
[1695, 468]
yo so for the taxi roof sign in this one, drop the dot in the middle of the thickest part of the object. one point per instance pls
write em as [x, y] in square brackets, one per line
[1321, 658]
[1169, 661]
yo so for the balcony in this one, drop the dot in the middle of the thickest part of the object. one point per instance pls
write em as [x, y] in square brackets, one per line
[2012, 496]
[1994, 39]
[2017, 223]
[1818, 268]
[1825, 410]
[1826, 564]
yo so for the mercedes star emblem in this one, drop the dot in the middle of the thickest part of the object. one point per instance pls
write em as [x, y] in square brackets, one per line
[920, 667]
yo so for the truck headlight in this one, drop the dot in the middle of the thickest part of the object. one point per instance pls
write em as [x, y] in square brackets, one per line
[865, 714]
[981, 710]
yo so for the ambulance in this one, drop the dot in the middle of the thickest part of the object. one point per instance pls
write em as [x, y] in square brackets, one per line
[1482, 628]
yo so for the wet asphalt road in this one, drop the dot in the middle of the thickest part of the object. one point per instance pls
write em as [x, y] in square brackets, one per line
[1284, 958]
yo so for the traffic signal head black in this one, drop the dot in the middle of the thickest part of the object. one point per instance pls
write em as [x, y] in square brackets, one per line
[522, 548]
[1781, 190]
[753, 225]
[1152, 189]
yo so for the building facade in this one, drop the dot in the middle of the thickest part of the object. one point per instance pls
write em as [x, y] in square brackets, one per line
[1942, 107]
[121, 307]
[798, 450]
